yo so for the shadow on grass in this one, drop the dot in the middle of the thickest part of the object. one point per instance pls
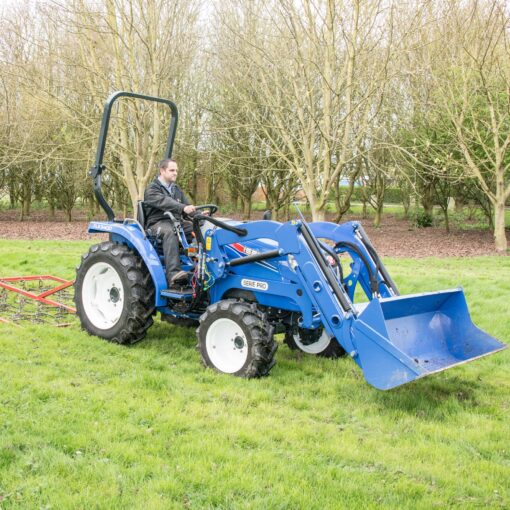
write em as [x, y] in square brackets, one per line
[166, 338]
[433, 398]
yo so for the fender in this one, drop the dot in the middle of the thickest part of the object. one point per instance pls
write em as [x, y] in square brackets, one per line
[131, 235]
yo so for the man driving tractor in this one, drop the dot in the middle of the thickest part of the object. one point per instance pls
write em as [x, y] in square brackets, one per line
[161, 196]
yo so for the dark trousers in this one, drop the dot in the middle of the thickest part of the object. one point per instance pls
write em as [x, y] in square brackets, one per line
[170, 247]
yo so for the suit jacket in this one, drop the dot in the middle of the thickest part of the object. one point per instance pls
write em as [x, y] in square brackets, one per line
[158, 200]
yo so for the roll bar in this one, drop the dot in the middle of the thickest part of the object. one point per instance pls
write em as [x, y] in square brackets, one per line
[97, 169]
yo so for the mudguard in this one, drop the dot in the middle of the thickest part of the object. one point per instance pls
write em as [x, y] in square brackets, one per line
[131, 235]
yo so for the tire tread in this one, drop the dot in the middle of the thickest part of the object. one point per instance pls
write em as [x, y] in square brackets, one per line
[140, 291]
[256, 324]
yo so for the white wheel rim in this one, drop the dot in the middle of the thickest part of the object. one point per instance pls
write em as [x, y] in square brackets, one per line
[315, 348]
[226, 345]
[102, 295]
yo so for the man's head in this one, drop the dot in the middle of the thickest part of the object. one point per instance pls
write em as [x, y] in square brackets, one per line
[168, 170]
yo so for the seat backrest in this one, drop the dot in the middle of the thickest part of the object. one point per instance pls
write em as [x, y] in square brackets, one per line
[140, 213]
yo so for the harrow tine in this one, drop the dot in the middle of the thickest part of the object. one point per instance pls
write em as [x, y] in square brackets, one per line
[36, 289]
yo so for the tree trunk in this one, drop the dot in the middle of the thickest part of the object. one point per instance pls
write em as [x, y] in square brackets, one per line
[499, 220]
[406, 204]
[194, 179]
[287, 211]
[342, 206]
[210, 188]
[27, 198]
[134, 205]
[427, 200]
[318, 214]
[380, 192]
[51, 205]
[446, 219]
[234, 202]
[26, 208]
[22, 210]
[269, 201]
[246, 208]
[94, 206]
[378, 215]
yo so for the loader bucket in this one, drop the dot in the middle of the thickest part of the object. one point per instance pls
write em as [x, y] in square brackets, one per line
[403, 338]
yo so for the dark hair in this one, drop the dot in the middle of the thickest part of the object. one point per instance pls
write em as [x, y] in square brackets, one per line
[164, 163]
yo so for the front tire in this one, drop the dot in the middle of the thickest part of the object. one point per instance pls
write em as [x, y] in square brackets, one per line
[314, 341]
[235, 338]
[114, 294]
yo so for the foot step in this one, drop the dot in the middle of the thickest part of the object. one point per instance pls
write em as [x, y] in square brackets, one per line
[181, 293]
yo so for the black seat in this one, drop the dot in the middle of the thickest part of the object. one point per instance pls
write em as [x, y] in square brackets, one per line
[153, 236]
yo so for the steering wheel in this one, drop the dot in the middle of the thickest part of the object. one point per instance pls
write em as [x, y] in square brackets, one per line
[211, 207]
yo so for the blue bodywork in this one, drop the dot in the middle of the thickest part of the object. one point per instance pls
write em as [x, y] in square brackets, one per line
[394, 339]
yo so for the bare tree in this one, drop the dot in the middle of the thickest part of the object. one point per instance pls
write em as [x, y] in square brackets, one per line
[114, 45]
[309, 74]
[464, 55]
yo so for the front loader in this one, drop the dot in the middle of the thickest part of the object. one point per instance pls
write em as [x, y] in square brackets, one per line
[250, 280]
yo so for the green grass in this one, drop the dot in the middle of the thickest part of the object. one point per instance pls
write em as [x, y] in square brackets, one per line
[86, 424]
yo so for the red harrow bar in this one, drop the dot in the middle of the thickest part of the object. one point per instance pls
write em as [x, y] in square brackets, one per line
[34, 288]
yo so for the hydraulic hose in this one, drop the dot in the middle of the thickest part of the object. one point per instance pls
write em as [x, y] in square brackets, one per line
[335, 256]
[388, 280]
[319, 257]
[374, 283]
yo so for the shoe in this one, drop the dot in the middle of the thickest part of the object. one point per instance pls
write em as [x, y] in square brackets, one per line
[179, 277]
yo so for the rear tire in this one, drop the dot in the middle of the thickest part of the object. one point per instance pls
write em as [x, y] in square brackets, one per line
[314, 341]
[114, 294]
[235, 338]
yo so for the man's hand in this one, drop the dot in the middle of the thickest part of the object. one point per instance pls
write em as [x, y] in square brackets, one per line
[189, 210]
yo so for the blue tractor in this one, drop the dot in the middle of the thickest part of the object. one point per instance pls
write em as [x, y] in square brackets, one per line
[250, 280]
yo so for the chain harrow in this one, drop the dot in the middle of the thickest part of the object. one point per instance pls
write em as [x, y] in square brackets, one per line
[39, 299]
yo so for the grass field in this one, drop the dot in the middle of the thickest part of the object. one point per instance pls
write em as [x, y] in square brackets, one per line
[86, 424]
